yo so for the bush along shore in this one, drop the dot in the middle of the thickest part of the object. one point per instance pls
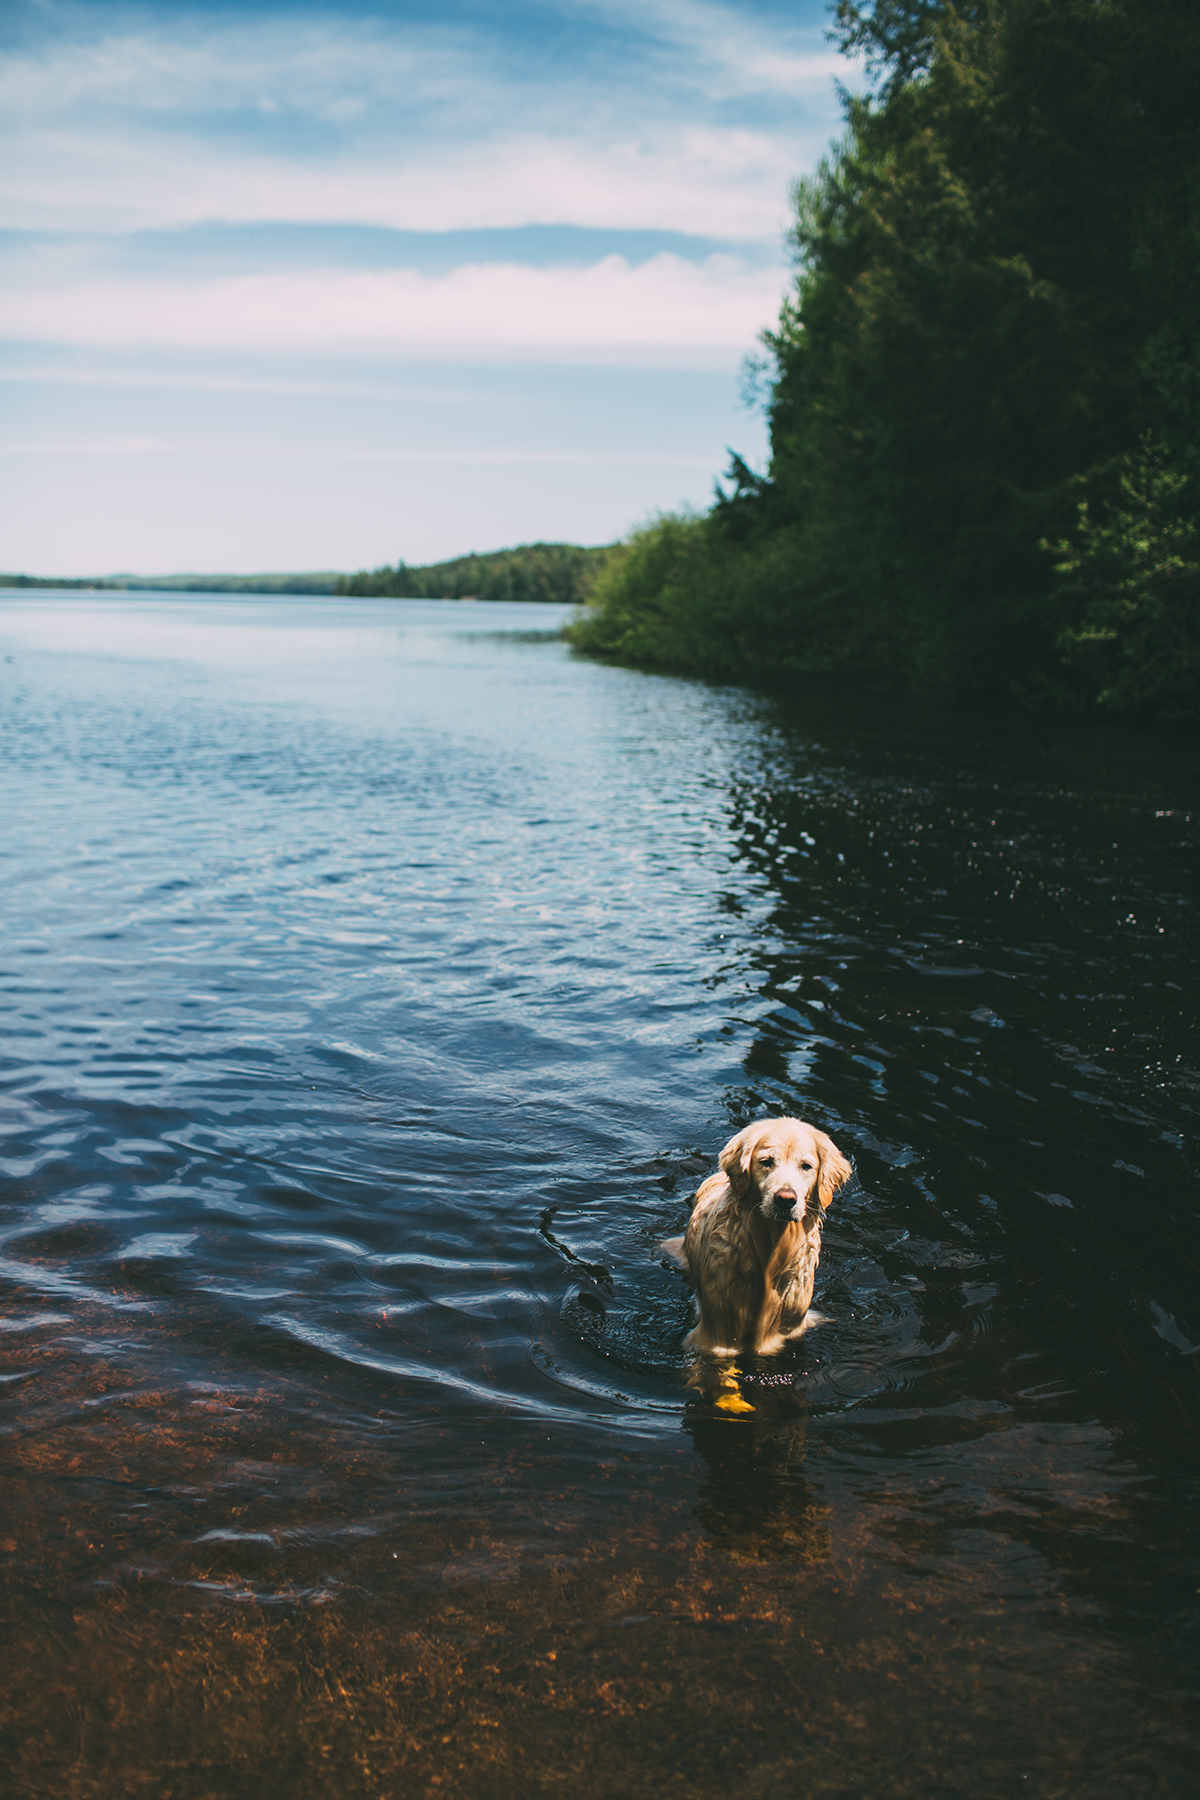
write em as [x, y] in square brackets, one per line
[984, 387]
[562, 572]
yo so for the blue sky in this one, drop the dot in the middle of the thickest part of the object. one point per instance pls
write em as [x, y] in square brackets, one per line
[289, 287]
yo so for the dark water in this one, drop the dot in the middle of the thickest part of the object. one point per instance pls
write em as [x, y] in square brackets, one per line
[378, 981]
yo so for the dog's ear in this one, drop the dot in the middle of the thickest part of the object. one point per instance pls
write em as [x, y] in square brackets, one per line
[835, 1170]
[735, 1160]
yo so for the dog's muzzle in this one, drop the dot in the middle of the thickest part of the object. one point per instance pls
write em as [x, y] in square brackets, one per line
[787, 1206]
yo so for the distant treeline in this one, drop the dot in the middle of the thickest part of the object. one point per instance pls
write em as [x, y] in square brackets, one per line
[984, 387]
[48, 581]
[319, 583]
[323, 581]
[562, 572]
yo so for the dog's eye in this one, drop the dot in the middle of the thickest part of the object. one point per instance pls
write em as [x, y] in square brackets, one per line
[807, 1167]
[768, 1162]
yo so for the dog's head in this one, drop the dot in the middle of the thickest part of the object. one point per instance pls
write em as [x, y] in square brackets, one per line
[790, 1168]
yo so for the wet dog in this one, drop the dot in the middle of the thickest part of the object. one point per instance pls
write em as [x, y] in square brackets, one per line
[754, 1238]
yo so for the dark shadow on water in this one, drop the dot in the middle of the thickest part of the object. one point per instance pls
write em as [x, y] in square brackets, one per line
[751, 1428]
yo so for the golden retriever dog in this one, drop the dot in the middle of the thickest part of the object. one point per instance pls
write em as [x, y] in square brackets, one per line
[754, 1238]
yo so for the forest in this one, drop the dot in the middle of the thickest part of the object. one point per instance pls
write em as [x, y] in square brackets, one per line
[313, 583]
[543, 572]
[563, 572]
[983, 390]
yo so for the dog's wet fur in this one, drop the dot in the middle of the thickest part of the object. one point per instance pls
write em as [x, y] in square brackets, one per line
[754, 1238]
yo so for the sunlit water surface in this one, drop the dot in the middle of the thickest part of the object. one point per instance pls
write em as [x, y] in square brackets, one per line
[378, 981]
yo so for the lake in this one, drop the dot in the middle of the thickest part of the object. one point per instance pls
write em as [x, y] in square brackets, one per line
[379, 979]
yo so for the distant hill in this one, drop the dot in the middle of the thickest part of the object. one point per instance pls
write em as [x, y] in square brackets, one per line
[543, 572]
[323, 581]
[562, 572]
[49, 581]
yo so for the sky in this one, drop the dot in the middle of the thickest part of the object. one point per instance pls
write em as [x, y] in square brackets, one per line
[289, 287]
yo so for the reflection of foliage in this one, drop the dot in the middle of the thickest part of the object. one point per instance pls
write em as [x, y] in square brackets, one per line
[1133, 568]
[561, 572]
[994, 302]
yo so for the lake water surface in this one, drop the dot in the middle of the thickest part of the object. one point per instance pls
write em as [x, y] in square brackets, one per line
[378, 981]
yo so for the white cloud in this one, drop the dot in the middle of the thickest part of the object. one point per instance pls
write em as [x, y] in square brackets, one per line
[666, 301]
[189, 68]
[302, 65]
[374, 386]
[744, 54]
[728, 184]
[188, 414]
[420, 456]
[414, 127]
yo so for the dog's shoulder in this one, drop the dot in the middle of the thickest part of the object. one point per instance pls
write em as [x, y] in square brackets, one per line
[716, 1235]
[708, 1210]
[711, 1193]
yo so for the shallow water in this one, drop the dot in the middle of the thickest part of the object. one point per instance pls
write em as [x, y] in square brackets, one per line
[378, 980]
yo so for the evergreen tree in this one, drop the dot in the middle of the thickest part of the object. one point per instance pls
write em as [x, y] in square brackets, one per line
[994, 303]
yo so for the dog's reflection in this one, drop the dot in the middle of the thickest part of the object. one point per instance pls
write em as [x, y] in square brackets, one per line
[750, 1424]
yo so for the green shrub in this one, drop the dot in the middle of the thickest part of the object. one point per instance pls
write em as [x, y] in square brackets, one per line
[1131, 572]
